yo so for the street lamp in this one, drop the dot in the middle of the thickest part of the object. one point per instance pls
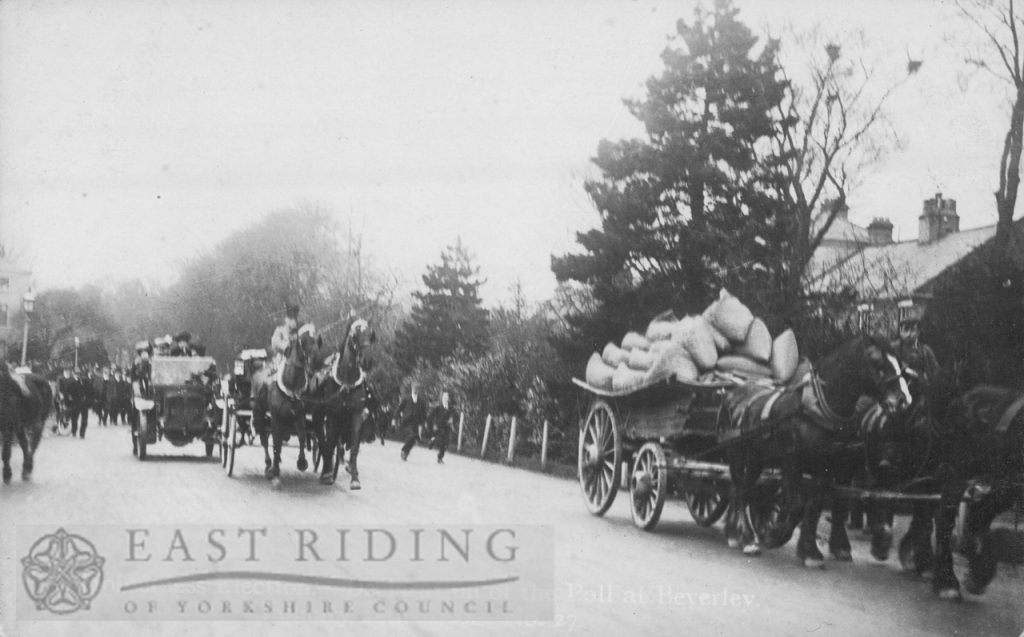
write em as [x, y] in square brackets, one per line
[28, 303]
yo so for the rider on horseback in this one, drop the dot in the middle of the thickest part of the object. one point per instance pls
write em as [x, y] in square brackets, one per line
[285, 334]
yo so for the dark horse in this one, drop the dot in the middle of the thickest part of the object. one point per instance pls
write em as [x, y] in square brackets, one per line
[339, 401]
[973, 447]
[805, 430]
[280, 394]
[22, 417]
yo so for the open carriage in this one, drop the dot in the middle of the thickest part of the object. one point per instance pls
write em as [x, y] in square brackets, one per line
[176, 404]
[664, 437]
[235, 403]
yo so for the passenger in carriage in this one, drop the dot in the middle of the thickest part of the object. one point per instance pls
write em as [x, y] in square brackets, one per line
[182, 345]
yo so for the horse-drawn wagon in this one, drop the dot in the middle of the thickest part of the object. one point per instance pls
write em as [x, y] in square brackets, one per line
[175, 404]
[665, 438]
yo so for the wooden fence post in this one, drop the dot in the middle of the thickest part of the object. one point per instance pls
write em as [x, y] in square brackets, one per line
[512, 441]
[487, 432]
[544, 447]
[462, 419]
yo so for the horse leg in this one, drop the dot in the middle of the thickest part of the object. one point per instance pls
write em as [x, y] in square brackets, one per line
[807, 546]
[881, 529]
[328, 444]
[915, 549]
[300, 430]
[981, 552]
[838, 540]
[944, 581]
[792, 507]
[5, 454]
[27, 455]
[353, 454]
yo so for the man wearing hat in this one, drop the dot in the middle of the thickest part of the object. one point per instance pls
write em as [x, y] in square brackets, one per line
[285, 334]
[69, 394]
[909, 348]
[182, 345]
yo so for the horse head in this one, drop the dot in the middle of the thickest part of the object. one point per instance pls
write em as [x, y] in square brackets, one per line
[881, 375]
[358, 338]
[299, 358]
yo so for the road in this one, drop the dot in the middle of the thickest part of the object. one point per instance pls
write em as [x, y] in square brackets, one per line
[609, 577]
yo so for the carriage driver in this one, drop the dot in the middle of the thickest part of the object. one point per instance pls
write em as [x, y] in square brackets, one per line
[284, 335]
[909, 348]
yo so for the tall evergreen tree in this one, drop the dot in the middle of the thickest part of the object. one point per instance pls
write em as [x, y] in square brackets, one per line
[692, 206]
[447, 318]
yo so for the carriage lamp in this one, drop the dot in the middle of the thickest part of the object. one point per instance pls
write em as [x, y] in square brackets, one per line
[28, 303]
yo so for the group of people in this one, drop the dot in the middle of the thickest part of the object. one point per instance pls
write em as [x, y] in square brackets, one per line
[106, 391]
[417, 422]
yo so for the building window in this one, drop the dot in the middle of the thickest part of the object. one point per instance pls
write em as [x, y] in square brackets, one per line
[5, 284]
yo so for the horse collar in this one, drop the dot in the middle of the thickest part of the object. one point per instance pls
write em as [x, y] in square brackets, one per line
[293, 394]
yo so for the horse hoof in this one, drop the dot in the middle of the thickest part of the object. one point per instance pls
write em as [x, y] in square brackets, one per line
[950, 595]
[973, 587]
[275, 483]
[752, 550]
[732, 542]
[842, 556]
[7, 477]
[302, 465]
[355, 486]
[813, 562]
[327, 480]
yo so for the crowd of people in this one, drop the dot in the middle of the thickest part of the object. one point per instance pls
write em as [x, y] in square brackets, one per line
[104, 390]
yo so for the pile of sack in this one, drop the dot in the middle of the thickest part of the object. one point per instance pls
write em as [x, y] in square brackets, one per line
[725, 339]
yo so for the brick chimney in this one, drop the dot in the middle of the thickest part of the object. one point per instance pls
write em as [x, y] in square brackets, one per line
[880, 231]
[828, 205]
[938, 219]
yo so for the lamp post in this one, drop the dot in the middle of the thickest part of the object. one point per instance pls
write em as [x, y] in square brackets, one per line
[77, 343]
[28, 303]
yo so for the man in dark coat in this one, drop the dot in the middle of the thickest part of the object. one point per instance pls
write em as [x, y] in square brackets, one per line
[411, 414]
[84, 407]
[69, 393]
[442, 419]
[103, 387]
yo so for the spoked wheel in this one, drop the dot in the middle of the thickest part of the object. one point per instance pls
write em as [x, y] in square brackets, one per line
[599, 463]
[764, 510]
[63, 424]
[648, 484]
[707, 505]
[224, 440]
[230, 445]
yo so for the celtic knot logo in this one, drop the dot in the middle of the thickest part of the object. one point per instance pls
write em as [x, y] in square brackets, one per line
[62, 573]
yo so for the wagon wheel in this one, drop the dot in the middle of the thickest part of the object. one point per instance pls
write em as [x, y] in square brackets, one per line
[231, 445]
[599, 462]
[224, 440]
[707, 506]
[764, 510]
[647, 485]
[63, 422]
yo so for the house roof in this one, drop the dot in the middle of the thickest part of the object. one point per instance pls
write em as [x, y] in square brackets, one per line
[895, 270]
[842, 230]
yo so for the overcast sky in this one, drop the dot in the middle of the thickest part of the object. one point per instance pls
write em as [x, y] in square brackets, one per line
[135, 134]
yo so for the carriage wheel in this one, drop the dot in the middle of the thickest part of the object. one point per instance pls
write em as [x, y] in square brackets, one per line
[63, 423]
[231, 445]
[224, 440]
[764, 509]
[648, 484]
[599, 462]
[707, 506]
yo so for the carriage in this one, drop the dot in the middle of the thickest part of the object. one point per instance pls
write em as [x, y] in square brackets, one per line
[175, 404]
[664, 438]
[235, 405]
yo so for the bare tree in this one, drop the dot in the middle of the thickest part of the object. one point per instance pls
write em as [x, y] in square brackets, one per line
[837, 127]
[999, 53]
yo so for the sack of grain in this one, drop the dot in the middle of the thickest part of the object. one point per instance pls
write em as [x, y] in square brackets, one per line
[640, 360]
[693, 334]
[744, 366]
[729, 316]
[758, 343]
[785, 356]
[599, 374]
[626, 379]
[660, 327]
[722, 344]
[671, 360]
[613, 355]
[632, 340]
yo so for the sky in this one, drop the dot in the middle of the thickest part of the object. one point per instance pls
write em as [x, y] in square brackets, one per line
[136, 134]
